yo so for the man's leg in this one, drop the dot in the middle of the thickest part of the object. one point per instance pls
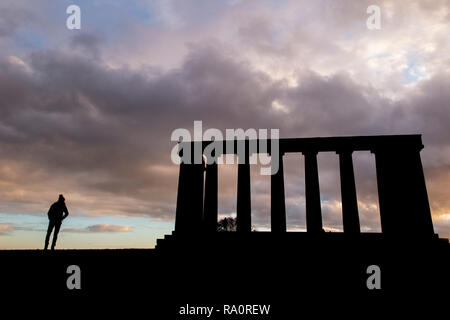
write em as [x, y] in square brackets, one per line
[55, 233]
[49, 232]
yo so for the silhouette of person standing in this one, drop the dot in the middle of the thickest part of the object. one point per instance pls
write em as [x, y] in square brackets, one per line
[56, 214]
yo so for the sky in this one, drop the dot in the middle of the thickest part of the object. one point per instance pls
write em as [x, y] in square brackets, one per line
[89, 113]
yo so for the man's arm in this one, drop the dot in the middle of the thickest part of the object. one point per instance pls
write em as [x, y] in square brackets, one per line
[66, 212]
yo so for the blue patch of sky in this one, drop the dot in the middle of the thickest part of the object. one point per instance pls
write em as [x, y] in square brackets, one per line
[414, 71]
[30, 39]
[104, 18]
[107, 14]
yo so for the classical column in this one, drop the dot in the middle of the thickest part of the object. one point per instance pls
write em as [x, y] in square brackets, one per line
[312, 193]
[243, 206]
[211, 189]
[277, 198]
[402, 192]
[189, 211]
[194, 201]
[348, 193]
[180, 216]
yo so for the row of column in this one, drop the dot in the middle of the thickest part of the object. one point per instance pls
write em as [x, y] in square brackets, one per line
[312, 196]
[400, 180]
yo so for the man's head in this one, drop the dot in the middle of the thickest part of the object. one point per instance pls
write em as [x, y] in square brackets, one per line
[61, 198]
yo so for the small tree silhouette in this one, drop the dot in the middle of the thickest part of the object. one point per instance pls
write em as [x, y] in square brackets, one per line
[227, 224]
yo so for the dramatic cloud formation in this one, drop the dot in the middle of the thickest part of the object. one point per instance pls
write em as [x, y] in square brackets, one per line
[89, 113]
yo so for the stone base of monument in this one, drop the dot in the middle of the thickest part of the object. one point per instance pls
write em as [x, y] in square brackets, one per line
[288, 242]
[321, 264]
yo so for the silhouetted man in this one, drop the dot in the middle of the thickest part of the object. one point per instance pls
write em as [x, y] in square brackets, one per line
[56, 214]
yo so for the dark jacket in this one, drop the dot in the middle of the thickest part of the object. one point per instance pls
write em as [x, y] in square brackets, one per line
[58, 211]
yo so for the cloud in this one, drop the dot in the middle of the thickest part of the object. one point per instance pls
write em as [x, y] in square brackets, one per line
[101, 228]
[442, 225]
[87, 43]
[6, 229]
